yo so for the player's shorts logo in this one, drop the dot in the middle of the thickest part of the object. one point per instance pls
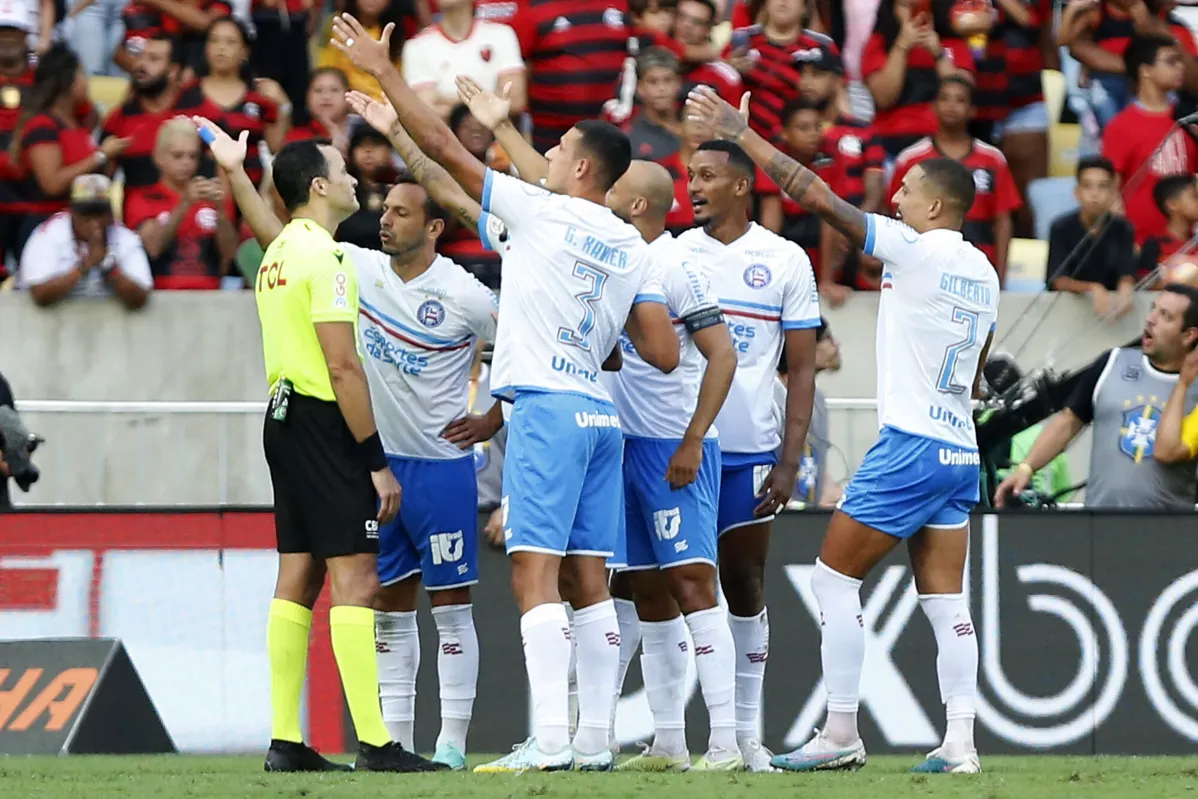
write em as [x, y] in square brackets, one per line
[758, 276]
[666, 523]
[431, 313]
[446, 547]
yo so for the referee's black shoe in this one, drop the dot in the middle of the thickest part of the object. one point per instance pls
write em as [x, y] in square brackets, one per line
[288, 756]
[393, 757]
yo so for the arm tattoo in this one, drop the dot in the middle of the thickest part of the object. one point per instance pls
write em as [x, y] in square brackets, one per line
[443, 189]
[797, 180]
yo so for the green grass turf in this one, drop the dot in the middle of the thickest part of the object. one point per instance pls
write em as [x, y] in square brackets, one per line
[183, 776]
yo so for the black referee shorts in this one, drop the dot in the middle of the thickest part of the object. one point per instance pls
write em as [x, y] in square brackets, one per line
[325, 502]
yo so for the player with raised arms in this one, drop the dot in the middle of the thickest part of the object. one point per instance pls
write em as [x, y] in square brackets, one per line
[571, 272]
[920, 480]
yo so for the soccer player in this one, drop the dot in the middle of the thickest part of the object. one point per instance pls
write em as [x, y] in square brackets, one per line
[919, 481]
[325, 455]
[668, 422]
[571, 272]
[422, 317]
[768, 294]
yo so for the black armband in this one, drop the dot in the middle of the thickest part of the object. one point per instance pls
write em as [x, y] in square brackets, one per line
[371, 451]
[704, 318]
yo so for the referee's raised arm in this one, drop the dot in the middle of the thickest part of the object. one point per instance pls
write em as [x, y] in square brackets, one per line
[332, 483]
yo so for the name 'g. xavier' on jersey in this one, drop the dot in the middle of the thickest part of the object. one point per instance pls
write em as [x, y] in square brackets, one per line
[571, 269]
[939, 303]
[653, 404]
[419, 339]
[766, 286]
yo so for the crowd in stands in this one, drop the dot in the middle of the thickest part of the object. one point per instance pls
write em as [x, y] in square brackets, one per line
[857, 90]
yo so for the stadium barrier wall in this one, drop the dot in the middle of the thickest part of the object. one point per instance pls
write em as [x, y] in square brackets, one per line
[205, 347]
[1098, 611]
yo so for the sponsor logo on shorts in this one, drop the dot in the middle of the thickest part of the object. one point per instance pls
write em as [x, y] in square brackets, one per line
[372, 529]
[446, 547]
[666, 524]
[760, 472]
[592, 419]
[680, 546]
[959, 457]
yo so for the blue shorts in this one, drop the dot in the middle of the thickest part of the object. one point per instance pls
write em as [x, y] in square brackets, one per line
[908, 482]
[436, 532]
[667, 527]
[562, 477]
[741, 477]
[619, 559]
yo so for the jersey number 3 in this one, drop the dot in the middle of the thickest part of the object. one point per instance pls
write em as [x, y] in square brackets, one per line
[595, 280]
[947, 384]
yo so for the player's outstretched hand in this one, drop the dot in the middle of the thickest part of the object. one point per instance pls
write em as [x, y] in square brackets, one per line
[229, 154]
[494, 529]
[389, 493]
[776, 490]
[380, 116]
[488, 108]
[684, 463]
[367, 53]
[1010, 488]
[469, 430]
[706, 107]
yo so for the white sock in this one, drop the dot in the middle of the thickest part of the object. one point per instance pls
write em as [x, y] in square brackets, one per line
[751, 637]
[397, 642]
[457, 671]
[572, 675]
[842, 651]
[956, 667]
[545, 631]
[630, 639]
[715, 662]
[664, 671]
[597, 637]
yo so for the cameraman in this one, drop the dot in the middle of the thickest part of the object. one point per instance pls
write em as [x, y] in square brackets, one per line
[6, 399]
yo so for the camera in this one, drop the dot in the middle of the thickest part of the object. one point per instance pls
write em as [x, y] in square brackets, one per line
[18, 446]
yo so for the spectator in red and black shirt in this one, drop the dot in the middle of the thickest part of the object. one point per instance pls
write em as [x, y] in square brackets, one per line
[692, 29]
[184, 20]
[574, 51]
[154, 99]
[325, 114]
[1176, 197]
[988, 222]
[656, 133]
[975, 21]
[49, 147]
[902, 64]
[256, 106]
[185, 221]
[766, 60]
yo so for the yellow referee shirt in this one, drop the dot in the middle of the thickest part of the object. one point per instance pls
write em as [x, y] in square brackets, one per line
[304, 279]
[1189, 432]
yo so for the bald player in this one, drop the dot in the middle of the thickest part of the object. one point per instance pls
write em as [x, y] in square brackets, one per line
[671, 490]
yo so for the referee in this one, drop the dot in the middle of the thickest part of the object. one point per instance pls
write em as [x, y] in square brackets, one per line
[326, 461]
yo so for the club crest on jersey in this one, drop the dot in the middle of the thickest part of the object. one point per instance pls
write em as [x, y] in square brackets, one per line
[613, 18]
[252, 110]
[1137, 438]
[850, 145]
[758, 276]
[981, 181]
[431, 313]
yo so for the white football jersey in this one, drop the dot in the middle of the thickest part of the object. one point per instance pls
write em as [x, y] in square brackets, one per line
[490, 52]
[766, 286]
[939, 304]
[653, 404]
[571, 269]
[419, 339]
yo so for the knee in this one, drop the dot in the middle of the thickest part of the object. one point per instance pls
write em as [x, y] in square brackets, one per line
[449, 597]
[398, 597]
[534, 579]
[621, 586]
[356, 584]
[827, 584]
[744, 588]
[693, 588]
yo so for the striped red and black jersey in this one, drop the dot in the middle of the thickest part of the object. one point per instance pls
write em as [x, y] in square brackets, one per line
[14, 93]
[574, 51]
[461, 243]
[720, 76]
[911, 117]
[313, 129]
[651, 142]
[650, 37]
[192, 260]
[1023, 57]
[143, 22]
[1155, 251]
[855, 150]
[996, 192]
[1115, 31]
[992, 82]
[132, 121]
[46, 130]
[774, 78]
[798, 224]
[253, 113]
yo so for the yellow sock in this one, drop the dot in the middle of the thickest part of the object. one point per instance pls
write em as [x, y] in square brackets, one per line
[287, 628]
[353, 646]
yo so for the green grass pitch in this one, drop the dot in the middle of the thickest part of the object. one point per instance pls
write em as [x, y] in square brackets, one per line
[193, 777]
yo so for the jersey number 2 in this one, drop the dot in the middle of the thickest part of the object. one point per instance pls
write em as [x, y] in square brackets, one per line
[595, 280]
[946, 383]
